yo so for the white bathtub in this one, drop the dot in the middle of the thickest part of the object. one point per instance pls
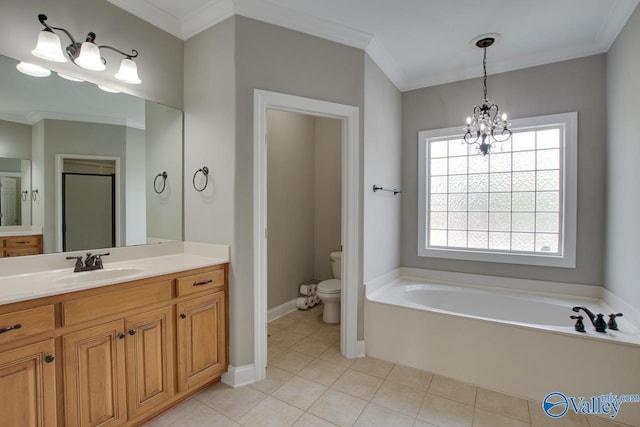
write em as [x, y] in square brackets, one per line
[515, 342]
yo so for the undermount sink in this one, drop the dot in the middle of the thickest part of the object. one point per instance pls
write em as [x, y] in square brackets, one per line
[97, 275]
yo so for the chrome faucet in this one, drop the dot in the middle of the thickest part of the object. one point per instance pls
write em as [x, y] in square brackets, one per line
[91, 262]
[597, 320]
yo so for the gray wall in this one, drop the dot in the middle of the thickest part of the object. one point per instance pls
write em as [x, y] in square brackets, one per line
[327, 135]
[290, 204]
[382, 167]
[622, 256]
[164, 211]
[304, 187]
[15, 140]
[243, 54]
[160, 61]
[575, 85]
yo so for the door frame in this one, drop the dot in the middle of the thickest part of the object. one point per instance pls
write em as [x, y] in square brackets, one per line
[351, 194]
[59, 166]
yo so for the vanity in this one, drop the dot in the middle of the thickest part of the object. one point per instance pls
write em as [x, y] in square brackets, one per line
[20, 241]
[116, 346]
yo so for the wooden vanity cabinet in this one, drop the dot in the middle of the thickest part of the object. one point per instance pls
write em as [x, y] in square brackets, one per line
[28, 386]
[21, 245]
[201, 340]
[120, 363]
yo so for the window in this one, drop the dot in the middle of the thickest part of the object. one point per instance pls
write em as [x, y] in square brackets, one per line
[516, 205]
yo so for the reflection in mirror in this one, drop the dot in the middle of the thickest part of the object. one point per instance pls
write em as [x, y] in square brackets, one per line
[78, 164]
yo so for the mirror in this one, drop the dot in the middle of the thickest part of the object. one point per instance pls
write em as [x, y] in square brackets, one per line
[91, 169]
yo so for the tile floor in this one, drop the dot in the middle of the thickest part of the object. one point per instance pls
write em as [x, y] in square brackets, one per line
[310, 384]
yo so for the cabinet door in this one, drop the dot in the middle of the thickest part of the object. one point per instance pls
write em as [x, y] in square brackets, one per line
[94, 371]
[27, 386]
[149, 345]
[201, 328]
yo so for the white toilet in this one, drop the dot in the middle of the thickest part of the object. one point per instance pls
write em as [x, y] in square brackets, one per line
[330, 290]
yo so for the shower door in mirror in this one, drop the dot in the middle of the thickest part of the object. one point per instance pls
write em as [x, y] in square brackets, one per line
[88, 211]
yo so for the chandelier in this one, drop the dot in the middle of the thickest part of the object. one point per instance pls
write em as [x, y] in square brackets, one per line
[86, 55]
[487, 125]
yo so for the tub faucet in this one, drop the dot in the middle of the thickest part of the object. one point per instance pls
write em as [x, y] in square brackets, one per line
[597, 320]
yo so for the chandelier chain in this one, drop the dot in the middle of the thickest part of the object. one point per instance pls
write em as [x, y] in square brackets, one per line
[484, 68]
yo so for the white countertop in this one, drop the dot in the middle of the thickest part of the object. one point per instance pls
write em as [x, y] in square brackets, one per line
[19, 283]
[19, 230]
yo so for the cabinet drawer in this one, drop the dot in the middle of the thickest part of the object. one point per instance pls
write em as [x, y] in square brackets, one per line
[26, 322]
[10, 252]
[93, 307]
[200, 282]
[22, 241]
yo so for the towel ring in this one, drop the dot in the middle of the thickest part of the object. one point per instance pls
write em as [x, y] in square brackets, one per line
[25, 194]
[162, 175]
[205, 172]
[34, 195]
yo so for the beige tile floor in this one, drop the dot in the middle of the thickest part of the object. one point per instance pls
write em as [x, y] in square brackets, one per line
[310, 384]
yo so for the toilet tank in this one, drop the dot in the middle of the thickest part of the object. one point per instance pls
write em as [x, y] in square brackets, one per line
[336, 264]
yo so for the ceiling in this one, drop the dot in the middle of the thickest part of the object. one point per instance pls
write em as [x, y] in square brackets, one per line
[419, 43]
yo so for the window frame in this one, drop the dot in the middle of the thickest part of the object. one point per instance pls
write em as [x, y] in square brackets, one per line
[566, 256]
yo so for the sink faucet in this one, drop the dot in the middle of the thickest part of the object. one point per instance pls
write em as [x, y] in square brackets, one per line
[597, 320]
[91, 262]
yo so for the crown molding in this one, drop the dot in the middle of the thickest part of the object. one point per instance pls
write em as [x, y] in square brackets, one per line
[152, 14]
[614, 22]
[207, 16]
[497, 67]
[383, 59]
[266, 11]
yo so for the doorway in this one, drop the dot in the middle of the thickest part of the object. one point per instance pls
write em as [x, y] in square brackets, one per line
[87, 202]
[88, 211]
[350, 224]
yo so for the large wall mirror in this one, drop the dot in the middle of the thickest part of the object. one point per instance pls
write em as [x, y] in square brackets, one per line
[91, 169]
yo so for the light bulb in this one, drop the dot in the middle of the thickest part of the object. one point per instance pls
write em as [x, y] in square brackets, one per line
[504, 117]
[468, 120]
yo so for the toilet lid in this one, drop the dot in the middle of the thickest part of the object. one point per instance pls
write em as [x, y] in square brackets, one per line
[331, 286]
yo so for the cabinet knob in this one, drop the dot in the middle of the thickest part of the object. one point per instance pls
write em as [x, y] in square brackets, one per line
[49, 359]
[121, 335]
[132, 332]
[183, 316]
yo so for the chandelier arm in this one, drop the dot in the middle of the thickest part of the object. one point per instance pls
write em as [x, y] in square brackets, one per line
[504, 135]
[134, 53]
[493, 111]
[470, 139]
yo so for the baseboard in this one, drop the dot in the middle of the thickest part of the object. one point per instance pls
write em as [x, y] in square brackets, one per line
[281, 310]
[242, 375]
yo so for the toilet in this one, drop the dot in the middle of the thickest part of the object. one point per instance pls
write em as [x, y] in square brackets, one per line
[330, 290]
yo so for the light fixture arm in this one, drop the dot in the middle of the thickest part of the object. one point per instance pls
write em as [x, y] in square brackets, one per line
[43, 18]
[133, 54]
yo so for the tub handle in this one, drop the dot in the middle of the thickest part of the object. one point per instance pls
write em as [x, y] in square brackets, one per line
[579, 325]
[612, 321]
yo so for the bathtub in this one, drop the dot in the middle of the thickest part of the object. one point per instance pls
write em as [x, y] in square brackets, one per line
[508, 340]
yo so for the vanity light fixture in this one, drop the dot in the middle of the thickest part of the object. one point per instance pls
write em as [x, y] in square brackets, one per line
[487, 125]
[108, 89]
[32, 70]
[86, 55]
[70, 78]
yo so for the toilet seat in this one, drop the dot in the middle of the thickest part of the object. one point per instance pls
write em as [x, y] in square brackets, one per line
[331, 286]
